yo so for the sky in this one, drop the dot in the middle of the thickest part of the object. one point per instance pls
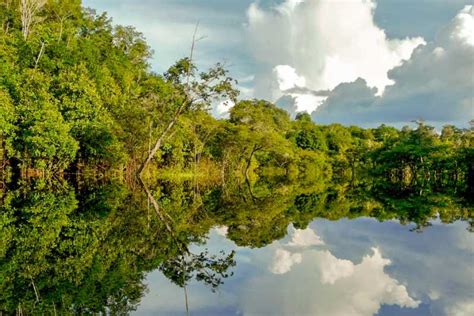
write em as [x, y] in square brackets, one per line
[362, 62]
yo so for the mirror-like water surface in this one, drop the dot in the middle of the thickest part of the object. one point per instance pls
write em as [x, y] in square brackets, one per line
[346, 267]
[264, 248]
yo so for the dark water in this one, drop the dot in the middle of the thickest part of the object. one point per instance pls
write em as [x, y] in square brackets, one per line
[264, 248]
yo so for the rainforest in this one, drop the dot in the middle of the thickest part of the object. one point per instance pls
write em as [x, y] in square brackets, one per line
[111, 172]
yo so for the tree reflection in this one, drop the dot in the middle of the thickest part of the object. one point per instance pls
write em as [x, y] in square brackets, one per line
[58, 258]
[210, 269]
[68, 249]
[186, 265]
[84, 251]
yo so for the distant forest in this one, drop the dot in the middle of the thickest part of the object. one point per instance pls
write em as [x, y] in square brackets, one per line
[77, 93]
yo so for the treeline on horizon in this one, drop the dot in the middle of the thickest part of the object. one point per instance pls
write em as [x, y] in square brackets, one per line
[77, 91]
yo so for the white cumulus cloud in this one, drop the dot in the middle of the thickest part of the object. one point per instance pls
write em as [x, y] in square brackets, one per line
[333, 269]
[338, 287]
[283, 261]
[435, 84]
[221, 109]
[319, 44]
[288, 78]
[305, 237]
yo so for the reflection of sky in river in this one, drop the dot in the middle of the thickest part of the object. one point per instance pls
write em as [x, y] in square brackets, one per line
[357, 267]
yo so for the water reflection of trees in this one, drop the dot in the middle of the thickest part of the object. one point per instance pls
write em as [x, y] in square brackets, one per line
[256, 219]
[69, 250]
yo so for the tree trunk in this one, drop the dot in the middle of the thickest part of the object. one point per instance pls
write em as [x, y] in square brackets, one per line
[41, 52]
[223, 168]
[249, 161]
[157, 146]
[29, 9]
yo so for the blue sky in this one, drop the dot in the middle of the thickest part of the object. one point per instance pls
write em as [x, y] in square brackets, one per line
[310, 54]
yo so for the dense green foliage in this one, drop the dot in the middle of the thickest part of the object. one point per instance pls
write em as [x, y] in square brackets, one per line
[84, 251]
[76, 90]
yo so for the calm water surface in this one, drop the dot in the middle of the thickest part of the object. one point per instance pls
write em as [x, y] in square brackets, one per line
[344, 267]
[264, 248]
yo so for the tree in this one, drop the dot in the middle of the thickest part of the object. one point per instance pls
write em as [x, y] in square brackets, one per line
[43, 139]
[7, 127]
[190, 91]
[29, 15]
[259, 126]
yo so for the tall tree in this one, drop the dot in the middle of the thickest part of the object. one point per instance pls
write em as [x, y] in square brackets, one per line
[189, 91]
[29, 15]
